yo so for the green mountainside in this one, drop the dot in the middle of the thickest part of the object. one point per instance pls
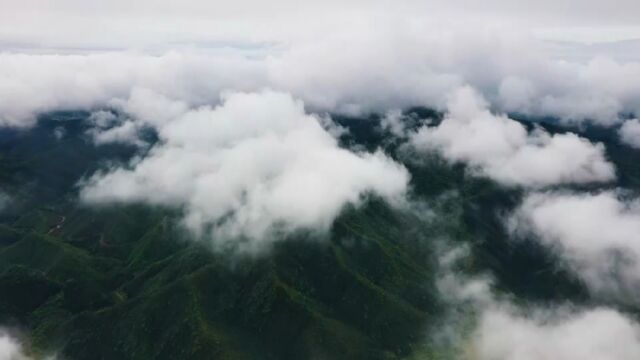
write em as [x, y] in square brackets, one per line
[127, 282]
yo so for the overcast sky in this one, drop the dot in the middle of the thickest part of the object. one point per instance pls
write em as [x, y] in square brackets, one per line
[91, 24]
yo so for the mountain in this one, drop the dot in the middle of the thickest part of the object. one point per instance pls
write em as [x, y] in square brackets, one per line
[129, 282]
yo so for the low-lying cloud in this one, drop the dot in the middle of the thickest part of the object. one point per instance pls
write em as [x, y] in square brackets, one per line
[387, 68]
[108, 128]
[35, 84]
[506, 329]
[600, 333]
[629, 133]
[252, 167]
[598, 235]
[501, 148]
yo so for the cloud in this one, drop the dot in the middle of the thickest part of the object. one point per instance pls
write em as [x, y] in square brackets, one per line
[629, 133]
[596, 234]
[144, 108]
[483, 324]
[73, 23]
[126, 132]
[351, 81]
[59, 133]
[150, 107]
[10, 348]
[396, 123]
[34, 84]
[419, 64]
[501, 148]
[599, 333]
[599, 91]
[103, 118]
[251, 167]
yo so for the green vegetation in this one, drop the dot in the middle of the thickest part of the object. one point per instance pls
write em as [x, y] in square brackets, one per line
[126, 282]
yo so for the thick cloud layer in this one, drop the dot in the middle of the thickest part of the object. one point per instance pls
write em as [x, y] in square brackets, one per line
[387, 67]
[602, 334]
[33, 84]
[598, 235]
[501, 148]
[73, 23]
[255, 165]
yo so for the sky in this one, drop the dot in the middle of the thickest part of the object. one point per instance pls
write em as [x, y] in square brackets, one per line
[122, 23]
[241, 95]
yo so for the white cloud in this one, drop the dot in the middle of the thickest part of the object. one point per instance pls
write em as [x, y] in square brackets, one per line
[394, 122]
[602, 334]
[103, 119]
[110, 128]
[501, 148]
[400, 64]
[504, 328]
[150, 107]
[253, 166]
[379, 72]
[10, 349]
[597, 234]
[144, 108]
[33, 84]
[412, 64]
[75, 23]
[629, 133]
[126, 133]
